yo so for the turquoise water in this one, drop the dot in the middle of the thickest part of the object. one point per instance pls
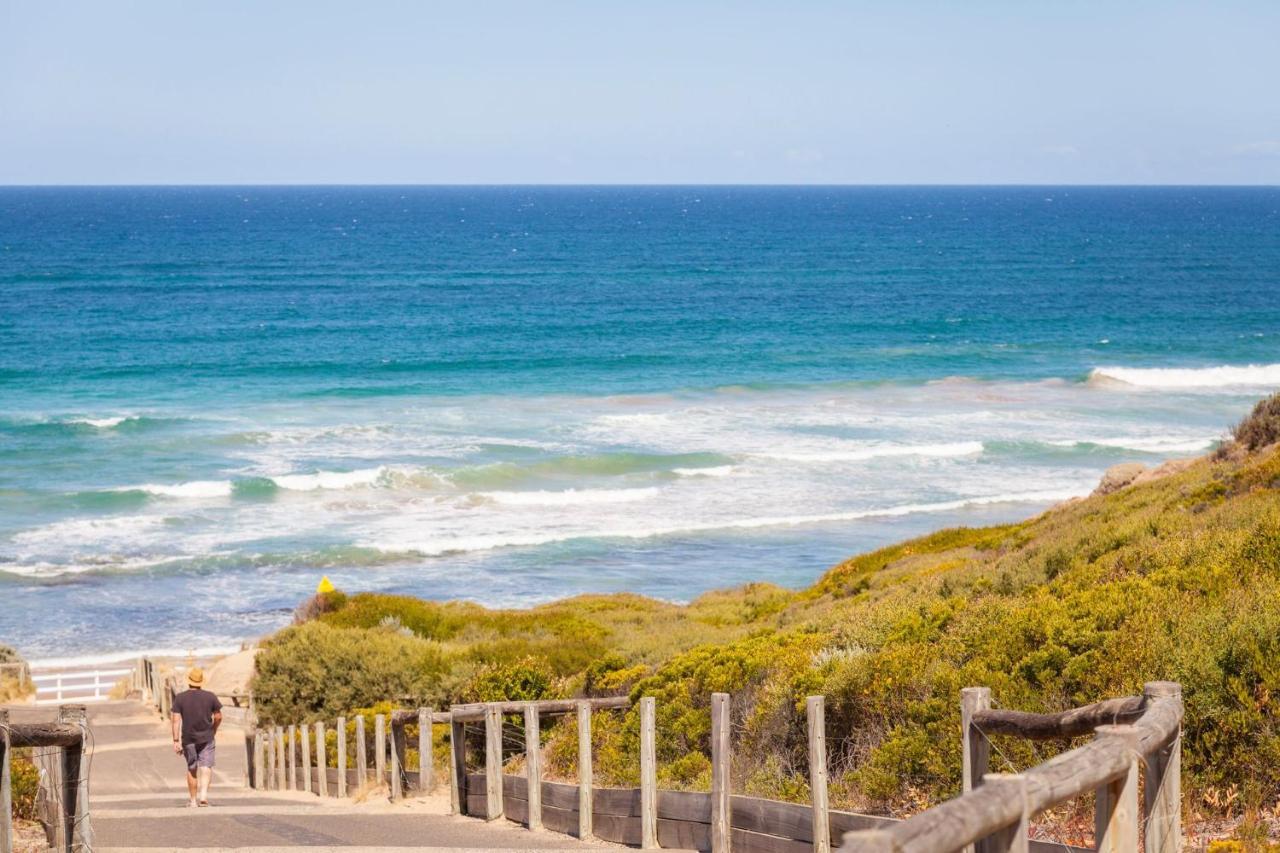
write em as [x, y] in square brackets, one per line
[209, 397]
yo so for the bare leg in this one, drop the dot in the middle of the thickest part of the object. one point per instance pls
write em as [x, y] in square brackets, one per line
[206, 773]
[191, 785]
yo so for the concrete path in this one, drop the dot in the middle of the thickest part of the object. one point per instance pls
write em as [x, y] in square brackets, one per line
[138, 801]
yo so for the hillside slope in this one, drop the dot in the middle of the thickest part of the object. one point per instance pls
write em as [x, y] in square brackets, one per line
[1173, 577]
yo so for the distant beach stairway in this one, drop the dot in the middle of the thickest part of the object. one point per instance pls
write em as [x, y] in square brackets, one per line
[1131, 736]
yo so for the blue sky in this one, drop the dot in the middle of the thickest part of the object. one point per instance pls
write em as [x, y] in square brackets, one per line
[639, 92]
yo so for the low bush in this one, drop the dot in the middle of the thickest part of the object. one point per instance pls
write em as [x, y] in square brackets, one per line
[24, 779]
[314, 671]
[1262, 427]
[12, 686]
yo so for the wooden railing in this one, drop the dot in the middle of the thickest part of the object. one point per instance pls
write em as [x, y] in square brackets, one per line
[992, 816]
[60, 753]
[994, 812]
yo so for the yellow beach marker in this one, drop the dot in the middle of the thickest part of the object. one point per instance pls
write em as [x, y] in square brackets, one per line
[325, 585]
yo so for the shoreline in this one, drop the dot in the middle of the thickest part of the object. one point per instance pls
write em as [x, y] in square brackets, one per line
[209, 652]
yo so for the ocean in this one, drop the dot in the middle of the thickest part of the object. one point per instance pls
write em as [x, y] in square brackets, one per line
[211, 397]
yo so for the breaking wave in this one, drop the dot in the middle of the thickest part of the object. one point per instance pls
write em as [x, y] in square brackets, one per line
[1249, 375]
[441, 546]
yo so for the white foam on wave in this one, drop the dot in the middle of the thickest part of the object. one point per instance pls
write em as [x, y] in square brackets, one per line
[102, 423]
[442, 545]
[195, 489]
[330, 479]
[878, 451]
[1248, 375]
[1145, 444]
[91, 531]
[715, 471]
[570, 497]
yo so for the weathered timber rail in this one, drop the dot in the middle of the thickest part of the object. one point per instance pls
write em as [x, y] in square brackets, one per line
[992, 816]
[995, 810]
[62, 747]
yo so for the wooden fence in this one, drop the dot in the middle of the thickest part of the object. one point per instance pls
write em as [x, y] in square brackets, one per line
[59, 748]
[992, 815]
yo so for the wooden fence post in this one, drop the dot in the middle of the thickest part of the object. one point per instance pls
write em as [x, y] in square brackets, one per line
[292, 753]
[342, 757]
[6, 795]
[269, 749]
[648, 775]
[259, 762]
[1013, 838]
[362, 759]
[586, 803]
[379, 748]
[533, 765]
[75, 783]
[250, 747]
[306, 757]
[322, 761]
[457, 766]
[426, 758]
[493, 762]
[1115, 821]
[281, 766]
[974, 747]
[1162, 794]
[816, 714]
[397, 763]
[720, 767]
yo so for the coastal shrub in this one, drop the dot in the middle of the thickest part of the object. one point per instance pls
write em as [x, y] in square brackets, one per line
[1262, 426]
[517, 681]
[314, 671]
[24, 778]
[428, 619]
[848, 577]
[319, 604]
[12, 687]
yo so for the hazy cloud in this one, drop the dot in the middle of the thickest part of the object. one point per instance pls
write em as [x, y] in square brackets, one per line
[1264, 148]
[804, 155]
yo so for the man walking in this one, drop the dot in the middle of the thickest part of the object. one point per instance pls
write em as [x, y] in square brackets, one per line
[197, 713]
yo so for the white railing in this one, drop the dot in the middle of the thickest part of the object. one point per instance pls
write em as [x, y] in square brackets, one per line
[80, 685]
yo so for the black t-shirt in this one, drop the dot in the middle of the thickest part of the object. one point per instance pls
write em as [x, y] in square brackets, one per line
[197, 708]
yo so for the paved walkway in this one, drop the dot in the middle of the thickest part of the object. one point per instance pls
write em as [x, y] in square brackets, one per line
[138, 802]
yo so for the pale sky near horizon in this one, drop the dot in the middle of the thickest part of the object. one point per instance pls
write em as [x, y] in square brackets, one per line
[158, 91]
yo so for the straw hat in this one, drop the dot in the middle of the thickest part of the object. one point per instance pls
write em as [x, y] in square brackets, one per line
[195, 677]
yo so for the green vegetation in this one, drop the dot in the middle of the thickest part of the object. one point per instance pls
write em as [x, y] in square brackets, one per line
[316, 671]
[12, 688]
[1262, 427]
[1176, 577]
[24, 778]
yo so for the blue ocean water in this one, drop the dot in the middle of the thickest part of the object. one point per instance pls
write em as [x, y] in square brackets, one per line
[210, 396]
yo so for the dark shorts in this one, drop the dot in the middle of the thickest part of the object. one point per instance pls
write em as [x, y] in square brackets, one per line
[198, 755]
